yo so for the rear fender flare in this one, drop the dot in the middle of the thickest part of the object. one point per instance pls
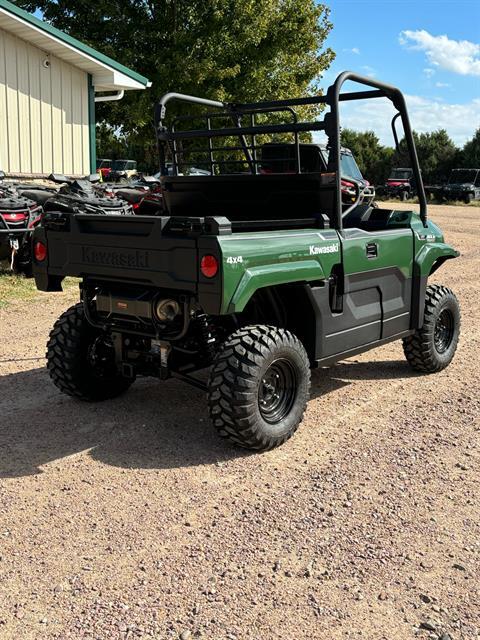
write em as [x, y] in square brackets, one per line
[269, 275]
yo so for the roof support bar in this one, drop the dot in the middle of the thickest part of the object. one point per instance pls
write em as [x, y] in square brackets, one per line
[330, 124]
[395, 95]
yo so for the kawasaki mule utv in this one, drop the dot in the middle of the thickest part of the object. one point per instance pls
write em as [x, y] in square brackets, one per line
[258, 276]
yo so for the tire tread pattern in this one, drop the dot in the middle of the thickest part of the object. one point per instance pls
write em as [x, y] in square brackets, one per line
[419, 348]
[66, 364]
[233, 386]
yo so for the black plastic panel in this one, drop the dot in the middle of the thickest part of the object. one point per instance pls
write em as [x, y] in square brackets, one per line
[248, 197]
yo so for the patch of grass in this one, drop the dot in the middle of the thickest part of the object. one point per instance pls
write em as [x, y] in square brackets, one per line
[15, 288]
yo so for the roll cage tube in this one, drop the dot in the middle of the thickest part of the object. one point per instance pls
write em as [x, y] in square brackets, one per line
[382, 90]
[160, 110]
[330, 124]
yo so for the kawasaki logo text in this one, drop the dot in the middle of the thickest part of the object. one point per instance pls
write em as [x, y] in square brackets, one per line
[112, 258]
[330, 248]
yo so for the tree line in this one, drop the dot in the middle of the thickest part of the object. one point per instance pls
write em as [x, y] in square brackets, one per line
[230, 50]
[437, 154]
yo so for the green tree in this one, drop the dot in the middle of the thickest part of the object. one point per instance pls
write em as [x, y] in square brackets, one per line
[374, 159]
[437, 155]
[225, 49]
[470, 155]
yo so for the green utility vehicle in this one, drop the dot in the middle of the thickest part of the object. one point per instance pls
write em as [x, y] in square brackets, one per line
[259, 277]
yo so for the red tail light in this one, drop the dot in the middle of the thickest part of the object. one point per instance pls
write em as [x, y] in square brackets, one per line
[209, 266]
[39, 251]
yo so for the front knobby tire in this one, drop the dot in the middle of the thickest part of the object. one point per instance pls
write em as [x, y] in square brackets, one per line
[431, 348]
[81, 359]
[259, 387]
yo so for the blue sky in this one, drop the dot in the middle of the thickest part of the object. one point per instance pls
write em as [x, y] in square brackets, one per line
[430, 49]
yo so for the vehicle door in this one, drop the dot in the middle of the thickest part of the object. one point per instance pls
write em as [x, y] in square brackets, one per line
[377, 268]
[370, 290]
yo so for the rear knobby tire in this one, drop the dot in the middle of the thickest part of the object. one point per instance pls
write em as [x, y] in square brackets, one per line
[431, 348]
[259, 387]
[81, 360]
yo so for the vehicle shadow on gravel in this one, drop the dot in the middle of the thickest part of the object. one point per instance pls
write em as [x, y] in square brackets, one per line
[346, 372]
[351, 370]
[153, 426]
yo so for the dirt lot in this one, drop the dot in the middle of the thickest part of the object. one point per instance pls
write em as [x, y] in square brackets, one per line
[130, 519]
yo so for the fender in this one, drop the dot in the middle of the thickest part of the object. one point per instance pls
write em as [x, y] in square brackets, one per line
[432, 253]
[273, 274]
[430, 257]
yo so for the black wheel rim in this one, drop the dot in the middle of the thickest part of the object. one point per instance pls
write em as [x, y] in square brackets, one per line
[277, 391]
[444, 331]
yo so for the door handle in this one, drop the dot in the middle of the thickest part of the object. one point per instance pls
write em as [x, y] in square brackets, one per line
[371, 250]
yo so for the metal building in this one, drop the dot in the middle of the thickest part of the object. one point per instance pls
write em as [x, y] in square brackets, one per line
[48, 82]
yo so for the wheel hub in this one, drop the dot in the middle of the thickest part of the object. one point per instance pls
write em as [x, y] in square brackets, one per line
[277, 390]
[443, 332]
[101, 356]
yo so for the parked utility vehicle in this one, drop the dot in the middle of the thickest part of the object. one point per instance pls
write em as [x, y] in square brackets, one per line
[278, 157]
[401, 184]
[463, 184]
[260, 277]
[123, 170]
[104, 167]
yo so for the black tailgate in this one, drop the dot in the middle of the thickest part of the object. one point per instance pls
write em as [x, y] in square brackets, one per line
[126, 248]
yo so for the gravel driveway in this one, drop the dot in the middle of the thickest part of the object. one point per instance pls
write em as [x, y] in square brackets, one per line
[130, 519]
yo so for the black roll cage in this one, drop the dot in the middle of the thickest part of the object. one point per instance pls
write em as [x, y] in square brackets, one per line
[330, 124]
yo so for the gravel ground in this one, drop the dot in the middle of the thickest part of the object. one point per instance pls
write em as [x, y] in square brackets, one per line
[130, 519]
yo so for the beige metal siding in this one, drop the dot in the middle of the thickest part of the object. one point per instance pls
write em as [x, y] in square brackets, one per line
[44, 125]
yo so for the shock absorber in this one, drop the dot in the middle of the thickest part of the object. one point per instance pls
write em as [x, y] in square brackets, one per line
[206, 336]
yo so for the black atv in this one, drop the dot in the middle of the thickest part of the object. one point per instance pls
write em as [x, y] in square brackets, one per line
[79, 196]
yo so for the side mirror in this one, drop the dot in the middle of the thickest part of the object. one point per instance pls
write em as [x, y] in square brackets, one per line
[2, 175]
[59, 178]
